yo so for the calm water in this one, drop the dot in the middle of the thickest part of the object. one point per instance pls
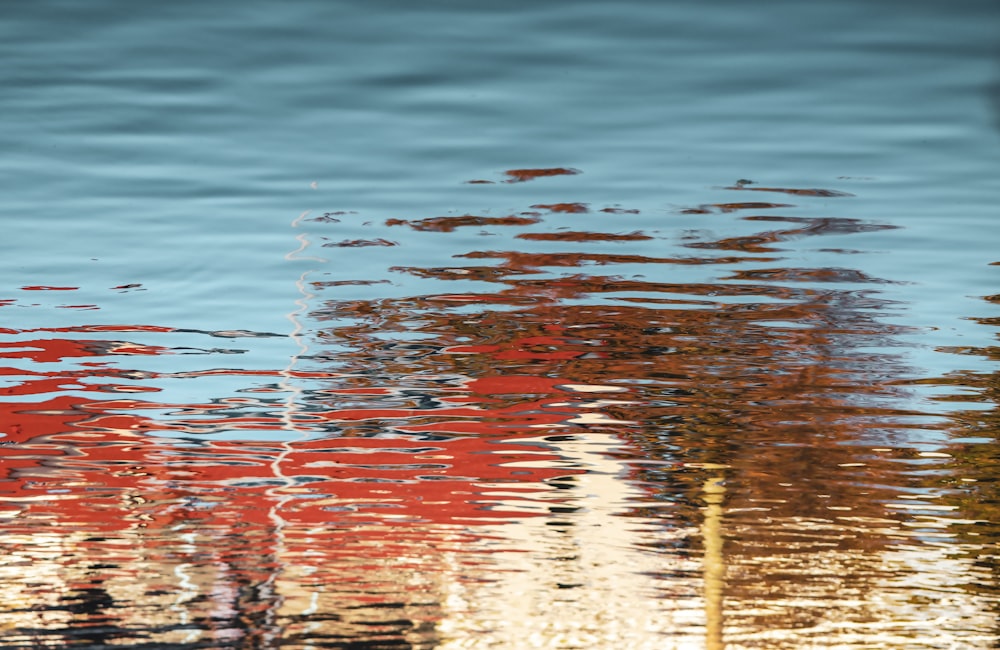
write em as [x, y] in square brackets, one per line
[499, 325]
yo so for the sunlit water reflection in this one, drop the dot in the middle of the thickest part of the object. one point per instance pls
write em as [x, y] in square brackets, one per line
[486, 379]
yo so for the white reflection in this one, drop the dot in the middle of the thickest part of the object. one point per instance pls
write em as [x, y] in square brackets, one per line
[581, 578]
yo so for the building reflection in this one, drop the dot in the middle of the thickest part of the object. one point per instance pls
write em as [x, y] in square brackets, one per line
[560, 451]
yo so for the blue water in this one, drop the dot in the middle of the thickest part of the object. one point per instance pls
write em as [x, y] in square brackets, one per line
[239, 212]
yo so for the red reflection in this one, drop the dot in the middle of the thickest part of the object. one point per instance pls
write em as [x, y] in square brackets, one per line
[66, 449]
[46, 288]
[51, 350]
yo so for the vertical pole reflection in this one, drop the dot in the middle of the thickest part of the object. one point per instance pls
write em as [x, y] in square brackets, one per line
[714, 491]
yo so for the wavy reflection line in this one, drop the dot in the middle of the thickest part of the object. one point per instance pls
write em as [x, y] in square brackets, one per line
[289, 421]
[304, 242]
[294, 317]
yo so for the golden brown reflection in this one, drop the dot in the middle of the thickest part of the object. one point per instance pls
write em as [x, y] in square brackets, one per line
[573, 445]
[783, 375]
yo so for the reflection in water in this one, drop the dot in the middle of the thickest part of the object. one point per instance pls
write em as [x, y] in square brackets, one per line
[715, 567]
[583, 433]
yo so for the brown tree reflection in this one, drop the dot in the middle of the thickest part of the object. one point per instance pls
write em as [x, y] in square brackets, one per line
[780, 383]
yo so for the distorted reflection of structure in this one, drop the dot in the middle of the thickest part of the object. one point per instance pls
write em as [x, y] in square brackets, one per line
[561, 445]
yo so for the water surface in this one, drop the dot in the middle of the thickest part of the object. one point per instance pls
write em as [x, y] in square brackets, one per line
[592, 325]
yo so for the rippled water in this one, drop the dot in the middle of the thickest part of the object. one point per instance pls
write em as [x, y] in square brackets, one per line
[483, 325]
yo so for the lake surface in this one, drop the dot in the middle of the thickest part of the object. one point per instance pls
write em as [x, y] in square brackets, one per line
[500, 325]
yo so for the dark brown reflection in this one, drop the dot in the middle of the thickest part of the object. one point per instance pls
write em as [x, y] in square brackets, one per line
[449, 224]
[733, 207]
[522, 175]
[569, 208]
[751, 187]
[583, 236]
[357, 243]
[806, 275]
